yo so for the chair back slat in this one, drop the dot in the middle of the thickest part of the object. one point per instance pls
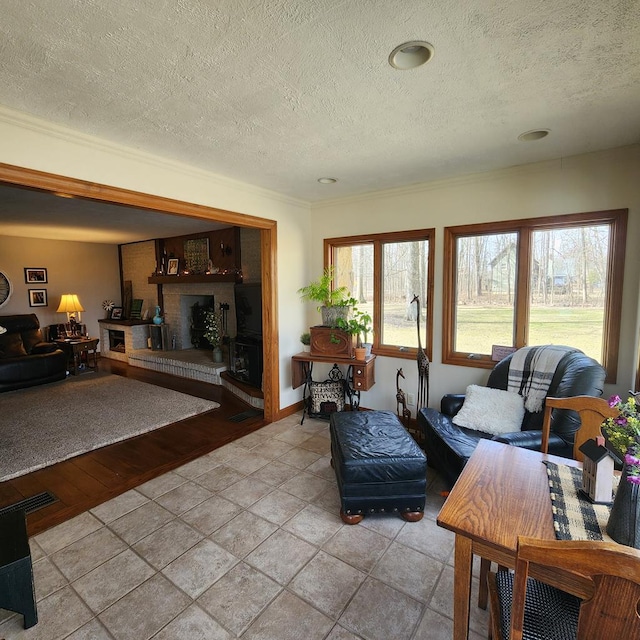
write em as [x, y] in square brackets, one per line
[614, 609]
[612, 612]
[592, 413]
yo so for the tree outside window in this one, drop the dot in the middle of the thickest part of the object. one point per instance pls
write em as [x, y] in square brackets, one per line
[384, 272]
[540, 281]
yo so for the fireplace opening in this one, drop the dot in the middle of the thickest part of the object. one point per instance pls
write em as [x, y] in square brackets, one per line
[116, 340]
[197, 314]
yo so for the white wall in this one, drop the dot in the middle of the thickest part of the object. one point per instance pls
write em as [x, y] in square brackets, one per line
[36, 144]
[88, 269]
[593, 182]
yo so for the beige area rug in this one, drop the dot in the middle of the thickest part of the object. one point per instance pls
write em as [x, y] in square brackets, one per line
[50, 423]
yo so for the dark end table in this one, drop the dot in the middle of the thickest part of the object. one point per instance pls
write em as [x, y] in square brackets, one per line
[75, 348]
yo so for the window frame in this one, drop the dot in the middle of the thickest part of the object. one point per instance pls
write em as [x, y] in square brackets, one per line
[377, 240]
[617, 221]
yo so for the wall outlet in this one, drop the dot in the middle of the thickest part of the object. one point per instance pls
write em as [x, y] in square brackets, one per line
[411, 399]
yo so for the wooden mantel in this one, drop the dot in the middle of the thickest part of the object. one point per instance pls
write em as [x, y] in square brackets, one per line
[196, 278]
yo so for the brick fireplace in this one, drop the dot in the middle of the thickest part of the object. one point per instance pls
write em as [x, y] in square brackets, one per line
[128, 342]
[180, 297]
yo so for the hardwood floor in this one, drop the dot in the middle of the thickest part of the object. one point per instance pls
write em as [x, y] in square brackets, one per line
[83, 482]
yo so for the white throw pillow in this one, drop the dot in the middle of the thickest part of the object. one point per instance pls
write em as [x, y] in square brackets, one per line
[491, 410]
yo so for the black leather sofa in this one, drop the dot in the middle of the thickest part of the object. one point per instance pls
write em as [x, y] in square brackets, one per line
[449, 446]
[25, 359]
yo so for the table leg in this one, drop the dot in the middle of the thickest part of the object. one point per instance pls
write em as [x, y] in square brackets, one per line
[462, 587]
[483, 590]
[307, 368]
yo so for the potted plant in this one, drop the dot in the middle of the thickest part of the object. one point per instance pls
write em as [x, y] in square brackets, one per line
[359, 326]
[305, 338]
[332, 303]
[213, 333]
[366, 322]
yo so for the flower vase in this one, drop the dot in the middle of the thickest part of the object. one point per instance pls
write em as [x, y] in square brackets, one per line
[217, 354]
[157, 319]
[624, 520]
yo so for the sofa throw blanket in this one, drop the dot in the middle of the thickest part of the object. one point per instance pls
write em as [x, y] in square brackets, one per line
[530, 373]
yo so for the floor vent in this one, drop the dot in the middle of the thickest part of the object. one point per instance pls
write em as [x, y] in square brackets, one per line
[251, 413]
[31, 504]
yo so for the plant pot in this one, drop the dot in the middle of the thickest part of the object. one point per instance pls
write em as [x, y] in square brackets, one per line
[306, 348]
[330, 315]
[361, 353]
[329, 342]
[624, 520]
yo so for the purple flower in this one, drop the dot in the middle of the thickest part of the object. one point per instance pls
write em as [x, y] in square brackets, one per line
[633, 479]
[629, 458]
[614, 401]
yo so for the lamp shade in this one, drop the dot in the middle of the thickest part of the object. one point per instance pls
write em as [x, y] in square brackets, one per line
[69, 303]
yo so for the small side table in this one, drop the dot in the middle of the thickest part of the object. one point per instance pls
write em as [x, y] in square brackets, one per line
[76, 347]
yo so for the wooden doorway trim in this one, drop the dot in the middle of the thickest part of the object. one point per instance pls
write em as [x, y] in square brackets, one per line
[53, 183]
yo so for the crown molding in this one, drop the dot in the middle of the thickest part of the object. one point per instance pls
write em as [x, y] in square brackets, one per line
[557, 164]
[44, 127]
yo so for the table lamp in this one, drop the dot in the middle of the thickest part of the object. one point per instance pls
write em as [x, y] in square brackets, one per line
[70, 305]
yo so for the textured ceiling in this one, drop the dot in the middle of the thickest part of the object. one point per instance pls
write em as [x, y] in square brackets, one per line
[278, 93]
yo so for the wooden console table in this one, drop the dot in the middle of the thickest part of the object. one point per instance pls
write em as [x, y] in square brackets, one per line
[360, 374]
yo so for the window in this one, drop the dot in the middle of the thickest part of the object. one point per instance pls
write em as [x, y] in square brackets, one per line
[383, 272]
[541, 281]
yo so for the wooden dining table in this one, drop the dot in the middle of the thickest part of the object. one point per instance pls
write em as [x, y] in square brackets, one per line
[502, 493]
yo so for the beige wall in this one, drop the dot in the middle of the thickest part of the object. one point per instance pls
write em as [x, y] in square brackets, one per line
[138, 263]
[593, 182]
[87, 269]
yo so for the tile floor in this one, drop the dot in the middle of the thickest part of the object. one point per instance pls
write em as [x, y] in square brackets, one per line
[245, 542]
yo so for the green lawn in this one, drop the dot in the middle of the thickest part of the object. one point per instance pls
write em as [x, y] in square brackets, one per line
[482, 327]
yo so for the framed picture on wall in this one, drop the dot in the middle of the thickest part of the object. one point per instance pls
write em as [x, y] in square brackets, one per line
[38, 297]
[136, 309]
[35, 275]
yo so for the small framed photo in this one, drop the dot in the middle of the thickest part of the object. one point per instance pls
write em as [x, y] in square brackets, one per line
[116, 313]
[172, 268]
[38, 297]
[35, 275]
[136, 309]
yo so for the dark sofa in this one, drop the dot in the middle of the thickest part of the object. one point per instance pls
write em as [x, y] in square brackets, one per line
[449, 446]
[25, 359]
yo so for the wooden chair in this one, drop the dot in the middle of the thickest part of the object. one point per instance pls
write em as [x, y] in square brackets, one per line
[524, 605]
[592, 412]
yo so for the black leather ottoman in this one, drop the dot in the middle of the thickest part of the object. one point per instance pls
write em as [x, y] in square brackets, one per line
[378, 466]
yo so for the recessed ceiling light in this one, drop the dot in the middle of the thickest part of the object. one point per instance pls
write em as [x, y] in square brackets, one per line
[411, 55]
[327, 180]
[534, 134]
